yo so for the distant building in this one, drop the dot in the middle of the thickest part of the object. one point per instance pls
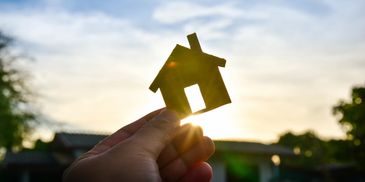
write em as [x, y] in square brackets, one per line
[246, 161]
[38, 166]
[232, 161]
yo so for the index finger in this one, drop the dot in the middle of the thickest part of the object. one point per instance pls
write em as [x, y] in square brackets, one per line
[122, 133]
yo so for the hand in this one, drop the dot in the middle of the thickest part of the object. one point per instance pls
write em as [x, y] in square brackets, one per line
[153, 148]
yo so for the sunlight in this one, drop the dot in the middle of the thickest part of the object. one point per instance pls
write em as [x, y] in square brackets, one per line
[217, 124]
[275, 159]
[195, 98]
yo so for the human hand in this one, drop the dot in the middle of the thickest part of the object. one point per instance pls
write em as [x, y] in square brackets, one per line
[153, 148]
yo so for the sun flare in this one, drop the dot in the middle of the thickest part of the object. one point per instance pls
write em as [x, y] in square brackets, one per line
[217, 124]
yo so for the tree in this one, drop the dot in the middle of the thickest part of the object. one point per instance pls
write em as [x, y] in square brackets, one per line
[311, 149]
[315, 151]
[352, 118]
[16, 115]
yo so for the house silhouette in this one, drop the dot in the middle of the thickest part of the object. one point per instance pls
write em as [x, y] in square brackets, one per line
[186, 67]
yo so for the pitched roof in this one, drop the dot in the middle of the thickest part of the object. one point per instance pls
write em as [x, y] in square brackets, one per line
[78, 140]
[75, 140]
[181, 50]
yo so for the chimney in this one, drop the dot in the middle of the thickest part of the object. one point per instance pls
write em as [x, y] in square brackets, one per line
[194, 42]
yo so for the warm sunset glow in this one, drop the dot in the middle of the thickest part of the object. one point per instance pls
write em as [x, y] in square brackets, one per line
[220, 123]
[195, 98]
[276, 160]
[216, 123]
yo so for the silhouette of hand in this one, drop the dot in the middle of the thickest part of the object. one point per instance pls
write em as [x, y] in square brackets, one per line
[153, 148]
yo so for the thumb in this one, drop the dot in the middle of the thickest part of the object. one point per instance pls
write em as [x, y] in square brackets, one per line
[157, 133]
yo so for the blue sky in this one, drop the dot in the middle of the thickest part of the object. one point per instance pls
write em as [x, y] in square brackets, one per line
[288, 62]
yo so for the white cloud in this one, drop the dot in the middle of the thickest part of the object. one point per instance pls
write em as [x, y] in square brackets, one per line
[175, 12]
[85, 63]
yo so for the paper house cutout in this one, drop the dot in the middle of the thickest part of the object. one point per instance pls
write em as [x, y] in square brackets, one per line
[186, 67]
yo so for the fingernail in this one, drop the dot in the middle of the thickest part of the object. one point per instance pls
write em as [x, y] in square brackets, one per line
[168, 115]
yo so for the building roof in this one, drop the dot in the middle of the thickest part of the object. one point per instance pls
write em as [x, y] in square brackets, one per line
[29, 158]
[78, 140]
[190, 56]
[252, 148]
[75, 141]
[87, 141]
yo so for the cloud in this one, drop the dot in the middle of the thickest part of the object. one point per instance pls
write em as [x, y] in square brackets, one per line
[175, 12]
[285, 64]
[84, 61]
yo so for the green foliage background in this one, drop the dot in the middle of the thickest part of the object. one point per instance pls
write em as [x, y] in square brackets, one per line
[16, 115]
[315, 152]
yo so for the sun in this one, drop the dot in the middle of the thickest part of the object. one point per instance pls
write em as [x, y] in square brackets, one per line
[217, 124]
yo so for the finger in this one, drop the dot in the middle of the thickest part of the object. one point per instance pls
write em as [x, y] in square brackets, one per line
[179, 167]
[188, 135]
[200, 172]
[169, 153]
[156, 134]
[133, 127]
[183, 143]
[122, 134]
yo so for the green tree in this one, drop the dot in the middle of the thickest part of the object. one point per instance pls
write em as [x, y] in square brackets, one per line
[310, 149]
[16, 115]
[352, 118]
[315, 151]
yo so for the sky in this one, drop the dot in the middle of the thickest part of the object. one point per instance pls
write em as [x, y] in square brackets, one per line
[288, 61]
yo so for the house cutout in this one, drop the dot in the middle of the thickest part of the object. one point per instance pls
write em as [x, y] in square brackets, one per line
[186, 67]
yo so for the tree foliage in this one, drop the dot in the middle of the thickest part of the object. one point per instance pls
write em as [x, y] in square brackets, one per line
[310, 149]
[16, 116]
[352, 118]
[315, 151]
